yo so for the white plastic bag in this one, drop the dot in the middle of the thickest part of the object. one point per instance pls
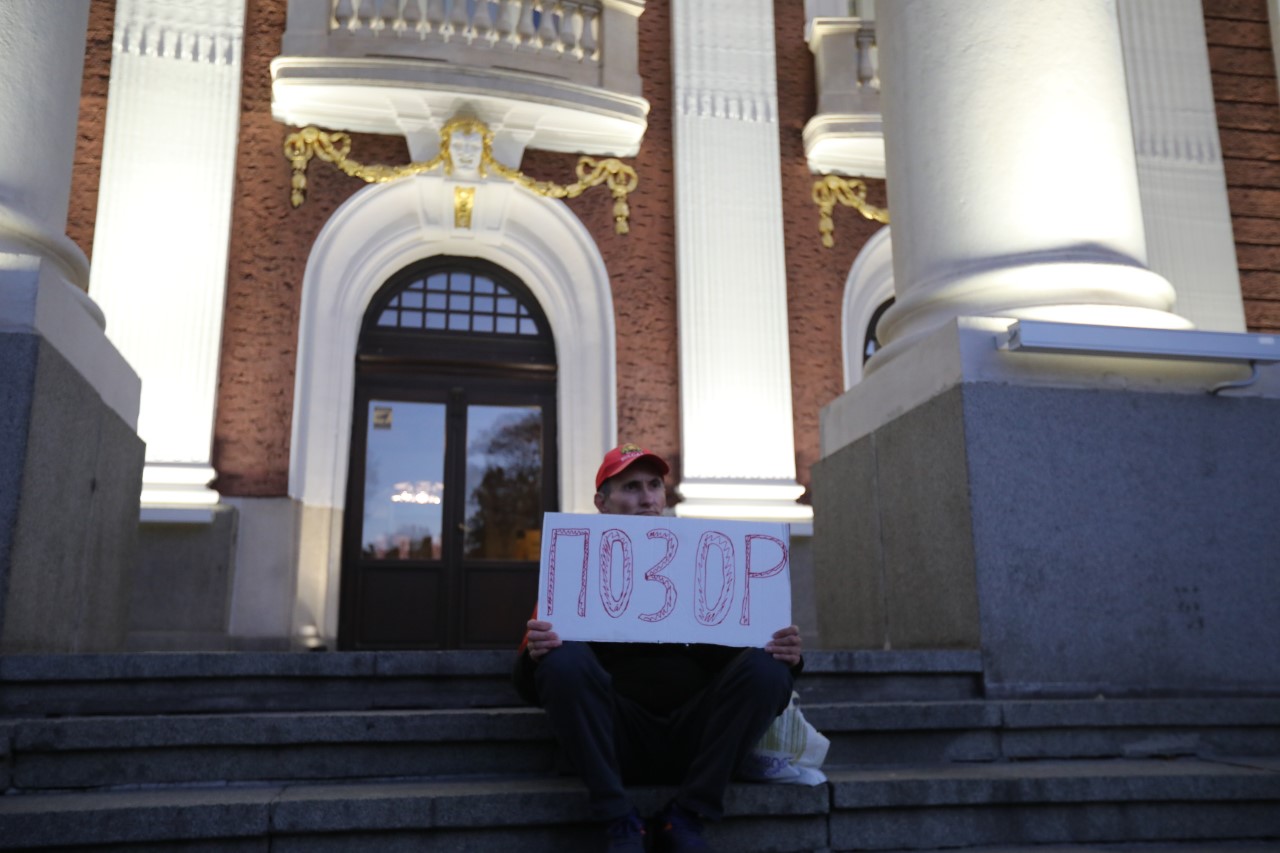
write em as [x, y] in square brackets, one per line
[792, 750]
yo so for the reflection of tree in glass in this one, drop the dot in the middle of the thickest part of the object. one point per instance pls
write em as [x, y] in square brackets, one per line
[373, 510]
[508, 499]
[409, 542]
[371, 478]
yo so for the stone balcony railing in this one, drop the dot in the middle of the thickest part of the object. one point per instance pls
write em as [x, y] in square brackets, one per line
[846, 135]
[560, 75]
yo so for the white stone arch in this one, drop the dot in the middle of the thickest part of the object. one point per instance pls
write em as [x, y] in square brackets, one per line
[374, 234]
[869, 285]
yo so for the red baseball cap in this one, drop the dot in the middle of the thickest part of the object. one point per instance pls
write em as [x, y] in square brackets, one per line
[623, 457]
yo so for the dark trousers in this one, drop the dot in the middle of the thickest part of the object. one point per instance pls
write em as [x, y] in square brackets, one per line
[610, 739]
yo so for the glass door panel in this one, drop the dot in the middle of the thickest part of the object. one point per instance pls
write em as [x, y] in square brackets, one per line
[504, 483]
[404, 481]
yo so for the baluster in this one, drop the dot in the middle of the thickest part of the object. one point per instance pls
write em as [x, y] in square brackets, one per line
[547, 37]
[525, 31]
[458, 24]
[361, 17]
[377, 16]
[589, 41]
[343, 15]
[435, 16]
[505, 22]
[414, 25]
[571, 30]
[482, 24]
[395, 17]
[866, 66]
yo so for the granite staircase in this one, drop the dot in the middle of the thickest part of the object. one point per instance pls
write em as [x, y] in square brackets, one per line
[431, 751]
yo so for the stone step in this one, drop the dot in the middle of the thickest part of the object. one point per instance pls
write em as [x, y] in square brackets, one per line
[195, 683]
[905, 808]
[105, 752]
[1216, 846]
[492, 815]
[211, 682]
[1053, 802]
[918, 732]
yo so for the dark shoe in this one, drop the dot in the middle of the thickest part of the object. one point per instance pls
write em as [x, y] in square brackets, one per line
[625, 834]
[678, 830]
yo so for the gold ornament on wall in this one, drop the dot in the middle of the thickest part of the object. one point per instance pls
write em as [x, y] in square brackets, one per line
[850, 192]
[464, 200]
[466, 151]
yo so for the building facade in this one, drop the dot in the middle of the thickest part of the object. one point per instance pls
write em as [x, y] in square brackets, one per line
[373, 352]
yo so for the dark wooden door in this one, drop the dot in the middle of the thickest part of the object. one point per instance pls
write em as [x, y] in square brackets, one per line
[453, 460]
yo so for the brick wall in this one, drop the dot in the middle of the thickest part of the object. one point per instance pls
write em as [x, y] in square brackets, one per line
[642, 264]
[1244, 85]
[268, 254]
[815, 275]
[82, 209]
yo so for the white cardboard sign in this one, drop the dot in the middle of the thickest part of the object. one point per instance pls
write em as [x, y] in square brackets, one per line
[630, 578]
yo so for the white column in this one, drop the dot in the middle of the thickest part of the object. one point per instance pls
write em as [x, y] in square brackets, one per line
[737, 436]
[43, 273]
[164, 218]
[1184, 187]
[1011, 174]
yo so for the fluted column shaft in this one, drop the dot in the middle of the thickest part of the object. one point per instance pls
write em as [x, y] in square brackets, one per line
[164, 220]
[737, 436]
[1180, 170]
[1011, 174]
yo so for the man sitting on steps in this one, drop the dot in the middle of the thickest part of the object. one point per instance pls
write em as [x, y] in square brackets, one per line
[665, 713]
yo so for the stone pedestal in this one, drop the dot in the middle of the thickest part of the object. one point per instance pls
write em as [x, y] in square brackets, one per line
[1091, 524]
[70, 476]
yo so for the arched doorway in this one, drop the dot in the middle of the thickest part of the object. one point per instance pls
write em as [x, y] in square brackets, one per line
[452, 460]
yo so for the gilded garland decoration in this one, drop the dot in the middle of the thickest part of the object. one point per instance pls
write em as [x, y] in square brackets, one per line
[311, 142]
[830, 190]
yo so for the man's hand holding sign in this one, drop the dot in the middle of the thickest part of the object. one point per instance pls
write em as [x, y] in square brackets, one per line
[652, 650]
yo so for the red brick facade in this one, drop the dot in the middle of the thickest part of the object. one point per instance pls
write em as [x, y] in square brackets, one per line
[270, 241]
[815, 275]
[1244, 85]
[82, 209]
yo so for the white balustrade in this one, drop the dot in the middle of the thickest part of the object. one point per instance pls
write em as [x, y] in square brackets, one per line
[551, 74]
[554, 30]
